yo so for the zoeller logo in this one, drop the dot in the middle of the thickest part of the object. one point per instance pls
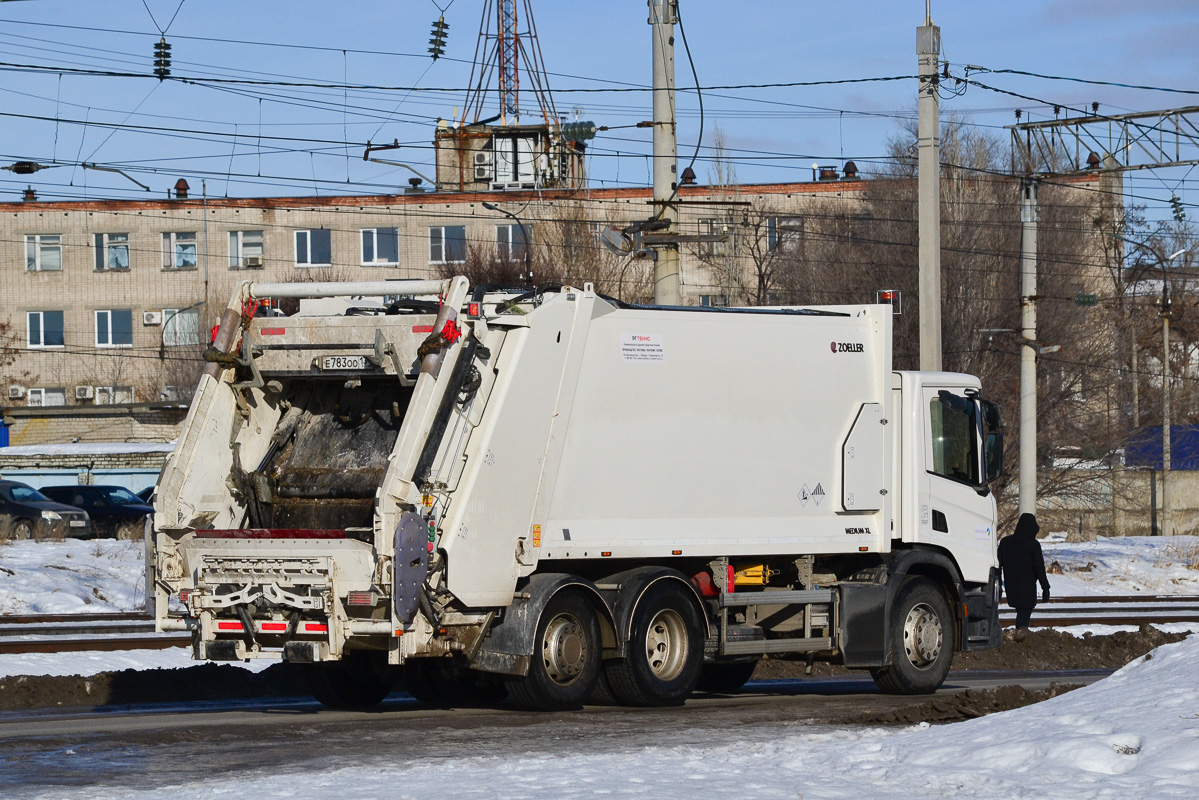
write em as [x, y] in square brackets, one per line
[852, 531]
[847, 347]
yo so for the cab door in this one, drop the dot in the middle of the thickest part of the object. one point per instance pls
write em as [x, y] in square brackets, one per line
[961, 509]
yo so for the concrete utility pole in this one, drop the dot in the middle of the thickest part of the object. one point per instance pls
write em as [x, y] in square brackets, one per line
[928, 50]
[1028, 352]
[662, 16]
[1166, 529]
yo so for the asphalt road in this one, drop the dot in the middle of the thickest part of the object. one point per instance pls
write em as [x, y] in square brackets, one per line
[146, 747]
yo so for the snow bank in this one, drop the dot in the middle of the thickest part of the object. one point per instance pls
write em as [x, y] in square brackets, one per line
[71, 577]
[1130, 565]
[88, 448]
[1132, 736]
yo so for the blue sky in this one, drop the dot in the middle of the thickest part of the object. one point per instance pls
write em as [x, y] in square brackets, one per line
[774, 133]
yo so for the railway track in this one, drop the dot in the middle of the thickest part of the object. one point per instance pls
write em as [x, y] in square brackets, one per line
[59, 633]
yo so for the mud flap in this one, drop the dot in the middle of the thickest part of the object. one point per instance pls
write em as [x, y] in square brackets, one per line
[411, 565]
[982, 629]
[863, 623]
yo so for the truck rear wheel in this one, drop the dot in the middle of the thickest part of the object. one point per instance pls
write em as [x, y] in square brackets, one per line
[921, 641]
[726, 677]
[359, 680]
[666, 650]
[566, 657]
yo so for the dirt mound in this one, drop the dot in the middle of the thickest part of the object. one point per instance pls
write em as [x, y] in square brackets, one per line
[198, 683]
[1036, 650]
[963, 705]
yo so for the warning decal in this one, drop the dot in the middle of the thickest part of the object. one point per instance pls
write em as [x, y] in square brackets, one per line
[804, 495]
[818, 494]
[641, 347]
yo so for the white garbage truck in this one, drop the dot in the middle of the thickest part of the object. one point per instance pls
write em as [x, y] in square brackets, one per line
[551, 495]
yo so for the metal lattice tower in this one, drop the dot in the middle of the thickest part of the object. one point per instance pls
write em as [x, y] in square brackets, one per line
[502, 48]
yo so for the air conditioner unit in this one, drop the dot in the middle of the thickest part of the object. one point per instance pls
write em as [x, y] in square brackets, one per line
[482, 158]
[482, 173]
[16, 392]
[151, 317]
[252, 262]
[85, 392]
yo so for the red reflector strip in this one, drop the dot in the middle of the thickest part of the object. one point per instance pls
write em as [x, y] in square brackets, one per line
[272, 331]
[229, 626]
[422, 328]
[315, 627]
[360, 599]
[274, 626]
[271, 533]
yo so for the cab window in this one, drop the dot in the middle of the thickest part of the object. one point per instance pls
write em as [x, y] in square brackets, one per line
[955, 439]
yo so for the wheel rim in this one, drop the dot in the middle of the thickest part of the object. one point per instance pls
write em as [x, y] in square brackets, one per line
[923, 636]
[666, 644]
[564, 649]
[24, 531]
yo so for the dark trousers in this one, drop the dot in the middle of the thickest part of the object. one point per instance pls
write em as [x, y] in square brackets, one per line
[1023, 615]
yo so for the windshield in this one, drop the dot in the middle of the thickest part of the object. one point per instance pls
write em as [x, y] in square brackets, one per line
[26, 494]
[119, 496]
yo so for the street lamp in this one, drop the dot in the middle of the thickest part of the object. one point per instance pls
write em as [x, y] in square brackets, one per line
[524, 235]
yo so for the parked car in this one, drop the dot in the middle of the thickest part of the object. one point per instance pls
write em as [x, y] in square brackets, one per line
[115, 511]
[25, 512]
[147, 495]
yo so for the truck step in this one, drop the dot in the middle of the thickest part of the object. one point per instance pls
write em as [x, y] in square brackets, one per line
[782, 598]
[762, 647]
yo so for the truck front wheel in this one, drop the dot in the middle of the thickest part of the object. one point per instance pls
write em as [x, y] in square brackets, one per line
[566, 657]
[921, 641]
[666, 650]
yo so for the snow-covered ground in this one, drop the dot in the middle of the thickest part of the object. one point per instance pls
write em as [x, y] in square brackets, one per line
[71, 577]
[1127, 566]
[1132, 736]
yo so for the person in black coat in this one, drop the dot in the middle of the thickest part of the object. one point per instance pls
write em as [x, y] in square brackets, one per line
[1023, 567]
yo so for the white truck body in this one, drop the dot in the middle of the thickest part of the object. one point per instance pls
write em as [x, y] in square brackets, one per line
[561, 434]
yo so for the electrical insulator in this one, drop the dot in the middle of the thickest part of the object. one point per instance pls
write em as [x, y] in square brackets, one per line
[162, 59]
[578, 131]
[437, 40]
[1176, 204]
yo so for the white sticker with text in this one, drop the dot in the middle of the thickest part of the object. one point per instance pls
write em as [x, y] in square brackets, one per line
[641, 347]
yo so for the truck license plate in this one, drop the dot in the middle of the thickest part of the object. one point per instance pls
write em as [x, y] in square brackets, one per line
[343, 362]
[78, 523]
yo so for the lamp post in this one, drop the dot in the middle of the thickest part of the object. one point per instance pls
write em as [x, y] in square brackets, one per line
[1166, 529]
[524, 235]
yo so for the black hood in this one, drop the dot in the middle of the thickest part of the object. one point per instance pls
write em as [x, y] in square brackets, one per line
[1027, 526]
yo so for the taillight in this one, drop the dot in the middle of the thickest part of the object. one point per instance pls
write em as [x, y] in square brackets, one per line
[185, 595]
[360, 599]
[473, 309]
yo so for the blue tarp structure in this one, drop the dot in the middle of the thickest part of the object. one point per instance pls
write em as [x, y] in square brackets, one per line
[1144, 447]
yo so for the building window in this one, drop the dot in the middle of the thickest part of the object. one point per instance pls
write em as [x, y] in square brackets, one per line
[245, 249]
[46, 396]
[447, 244]
[381, 246]
[510, 242]
[716, 227]
[114, 328]
[180, 327]
[314, 248]
[179, 250]
[112, 251]
[43, 252]
[713, 300]
[112, 395]
[784, 233]
[45, 329]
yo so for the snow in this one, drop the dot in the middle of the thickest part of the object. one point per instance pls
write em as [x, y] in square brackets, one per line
[92, 662]
[1132, 736]
[71, 577]
[88, 448]
[1124, 566]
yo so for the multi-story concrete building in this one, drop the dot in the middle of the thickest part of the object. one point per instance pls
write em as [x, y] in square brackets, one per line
[107, 301]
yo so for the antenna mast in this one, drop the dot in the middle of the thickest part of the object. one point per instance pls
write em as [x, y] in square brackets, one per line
[504, 47]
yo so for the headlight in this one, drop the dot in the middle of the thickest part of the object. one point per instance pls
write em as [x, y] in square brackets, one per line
[49, 515]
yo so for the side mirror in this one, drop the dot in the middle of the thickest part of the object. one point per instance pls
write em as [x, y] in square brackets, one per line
[992, 440]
